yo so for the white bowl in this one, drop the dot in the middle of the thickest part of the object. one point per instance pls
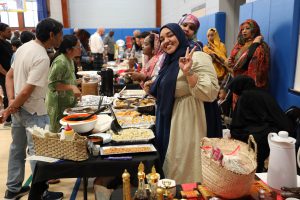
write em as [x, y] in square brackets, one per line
[80, 126]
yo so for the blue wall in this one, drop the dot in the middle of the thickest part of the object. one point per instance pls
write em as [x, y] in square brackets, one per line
[279, 23]
[120, 33]
[216, 20]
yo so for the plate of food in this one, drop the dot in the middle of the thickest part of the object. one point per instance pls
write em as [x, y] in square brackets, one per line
[127, 149]
[133, 135]
[122, 104]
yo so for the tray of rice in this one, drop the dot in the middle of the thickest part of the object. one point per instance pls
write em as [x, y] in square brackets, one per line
[133, 135]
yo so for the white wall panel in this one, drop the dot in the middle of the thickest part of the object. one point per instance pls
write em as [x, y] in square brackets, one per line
[112, 13]
[172, 10]
[231, 8]
[55, 10]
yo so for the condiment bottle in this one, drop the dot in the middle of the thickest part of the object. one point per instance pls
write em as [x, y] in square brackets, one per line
[141, 193]
[69, 133]
[153, 179]
[126, 185]
[159, 194]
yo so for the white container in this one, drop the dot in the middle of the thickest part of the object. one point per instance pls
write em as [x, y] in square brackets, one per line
[282, 170]
[168, 184]
[80, 126]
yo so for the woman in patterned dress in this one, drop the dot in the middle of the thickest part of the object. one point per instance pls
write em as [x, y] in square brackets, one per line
[62, 90]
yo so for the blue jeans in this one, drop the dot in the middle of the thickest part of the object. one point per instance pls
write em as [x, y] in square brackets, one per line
[21, 139]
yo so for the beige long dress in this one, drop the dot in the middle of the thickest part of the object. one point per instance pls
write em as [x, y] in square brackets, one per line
[188, 124]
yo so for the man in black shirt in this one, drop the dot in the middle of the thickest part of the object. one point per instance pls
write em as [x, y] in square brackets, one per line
[6, 53]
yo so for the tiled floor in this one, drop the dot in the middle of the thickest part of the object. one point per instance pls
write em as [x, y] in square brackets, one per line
[65, 186]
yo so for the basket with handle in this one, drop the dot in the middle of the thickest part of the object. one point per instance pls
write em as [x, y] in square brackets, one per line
[75, 150]
[221, 181]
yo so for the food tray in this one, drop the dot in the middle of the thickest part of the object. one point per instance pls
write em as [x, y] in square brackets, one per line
[144, 121]
[122, 104]
[84, 109]
[133, 93]
[127, 149]
[133, 135]
[121, 113]
[93, 100]
[144, 102]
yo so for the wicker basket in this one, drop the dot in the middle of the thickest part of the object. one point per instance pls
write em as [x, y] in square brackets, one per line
[53, 147]
[221, 181]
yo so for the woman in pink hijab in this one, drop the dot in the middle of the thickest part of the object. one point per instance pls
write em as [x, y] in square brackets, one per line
[153, 56]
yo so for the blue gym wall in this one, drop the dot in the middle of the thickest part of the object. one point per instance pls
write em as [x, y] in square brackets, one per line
[216, 20]
[120, 33]
[279, 23]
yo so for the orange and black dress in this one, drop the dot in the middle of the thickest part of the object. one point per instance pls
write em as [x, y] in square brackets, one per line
[251, 59]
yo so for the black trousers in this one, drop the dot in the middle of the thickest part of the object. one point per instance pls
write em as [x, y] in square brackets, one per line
[5, 99]
[98, 61]
[111, 57]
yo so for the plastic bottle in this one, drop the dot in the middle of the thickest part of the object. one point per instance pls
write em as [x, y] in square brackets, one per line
[69, 133]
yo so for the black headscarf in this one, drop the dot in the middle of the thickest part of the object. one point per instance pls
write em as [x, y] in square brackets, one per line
[256, 113]
[164, 89]
[241, 83]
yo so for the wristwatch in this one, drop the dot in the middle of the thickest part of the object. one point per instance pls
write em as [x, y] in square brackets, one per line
[190, 72]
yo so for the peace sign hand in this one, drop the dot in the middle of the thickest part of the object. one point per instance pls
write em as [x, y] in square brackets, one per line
[185, 63]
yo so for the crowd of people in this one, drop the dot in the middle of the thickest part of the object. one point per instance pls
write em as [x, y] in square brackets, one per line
[189, 80]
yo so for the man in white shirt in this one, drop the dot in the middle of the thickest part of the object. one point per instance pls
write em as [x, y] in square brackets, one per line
[97, 48]
[26, 85]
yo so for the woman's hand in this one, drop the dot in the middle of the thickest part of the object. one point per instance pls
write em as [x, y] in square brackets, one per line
[258, 39]
[185, 63]
[210, 46]
[76, 92]
[228, 62]
[213, 56]
[147, 86]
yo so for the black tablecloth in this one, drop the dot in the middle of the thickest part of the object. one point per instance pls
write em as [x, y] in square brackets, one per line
[118, 193]
[93, 167]
[131, 86]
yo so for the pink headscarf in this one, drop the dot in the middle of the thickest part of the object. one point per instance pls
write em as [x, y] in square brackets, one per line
[148, 69]
[189, 18]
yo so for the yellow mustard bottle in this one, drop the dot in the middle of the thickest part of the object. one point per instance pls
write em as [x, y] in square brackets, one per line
[69, 133]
